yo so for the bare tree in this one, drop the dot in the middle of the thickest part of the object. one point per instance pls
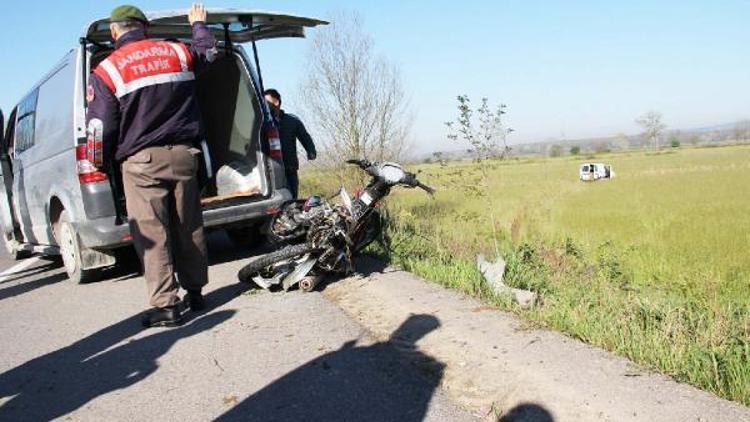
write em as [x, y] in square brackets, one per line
[652, 126]
[353, 97]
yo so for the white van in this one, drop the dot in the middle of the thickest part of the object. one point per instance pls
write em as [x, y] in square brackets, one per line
[589, 172]
[54, 202]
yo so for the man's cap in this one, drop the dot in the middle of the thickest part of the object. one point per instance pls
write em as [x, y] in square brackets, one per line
[127, 13]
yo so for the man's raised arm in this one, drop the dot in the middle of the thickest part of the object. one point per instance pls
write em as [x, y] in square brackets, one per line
[204, 42]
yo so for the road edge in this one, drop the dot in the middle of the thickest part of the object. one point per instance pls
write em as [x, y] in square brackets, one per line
[494, 364]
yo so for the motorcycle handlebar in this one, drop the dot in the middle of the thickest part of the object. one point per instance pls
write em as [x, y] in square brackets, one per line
[411, 181]
[426, 188]
[361, 163]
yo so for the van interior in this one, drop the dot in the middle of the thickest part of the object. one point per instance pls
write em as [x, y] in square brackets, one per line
[232, 119]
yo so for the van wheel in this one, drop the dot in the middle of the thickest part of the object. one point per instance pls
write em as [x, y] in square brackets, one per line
[70, 249]
[245, 237]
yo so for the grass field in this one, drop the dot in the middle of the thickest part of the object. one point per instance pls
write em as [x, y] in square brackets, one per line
[653, 265]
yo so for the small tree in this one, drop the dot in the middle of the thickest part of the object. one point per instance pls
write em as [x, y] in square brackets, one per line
[575, 150]
[555, 151]
[489, 138]
[487, 135]
[438, 157]
[652, 127]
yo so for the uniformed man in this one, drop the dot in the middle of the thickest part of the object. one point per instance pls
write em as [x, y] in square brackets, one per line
[291, 129]
[142, 108]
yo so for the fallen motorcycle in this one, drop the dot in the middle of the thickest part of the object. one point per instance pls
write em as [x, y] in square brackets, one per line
[323, 238]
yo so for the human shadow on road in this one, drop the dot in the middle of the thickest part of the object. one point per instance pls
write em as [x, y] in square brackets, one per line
[62, 381]
[382, 382]
[527, 412]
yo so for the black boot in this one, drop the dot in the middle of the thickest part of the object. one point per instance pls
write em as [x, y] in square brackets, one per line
[162, 317]
[194, 301]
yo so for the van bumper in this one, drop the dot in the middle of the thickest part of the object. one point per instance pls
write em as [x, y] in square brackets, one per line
[103, 233]
[246, 213]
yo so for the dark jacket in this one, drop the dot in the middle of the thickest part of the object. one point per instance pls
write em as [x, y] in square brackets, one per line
[292, 129]
[144, 95]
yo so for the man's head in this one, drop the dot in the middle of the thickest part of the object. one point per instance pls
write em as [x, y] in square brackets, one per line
[274, 98]
[124, 19]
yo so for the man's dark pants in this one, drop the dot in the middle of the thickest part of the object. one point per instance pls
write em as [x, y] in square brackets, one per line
[292, 181]
[166, 220]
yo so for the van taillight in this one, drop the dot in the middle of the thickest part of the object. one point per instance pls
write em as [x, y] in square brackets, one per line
[272, 133]
[87, 172]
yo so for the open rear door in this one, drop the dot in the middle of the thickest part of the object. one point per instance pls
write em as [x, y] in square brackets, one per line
[9, 225]
[241, 25]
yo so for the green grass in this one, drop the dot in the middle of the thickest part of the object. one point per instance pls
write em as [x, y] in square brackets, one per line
[653, 265]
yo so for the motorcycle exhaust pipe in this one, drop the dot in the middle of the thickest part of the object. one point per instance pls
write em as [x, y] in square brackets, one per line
[308, 283]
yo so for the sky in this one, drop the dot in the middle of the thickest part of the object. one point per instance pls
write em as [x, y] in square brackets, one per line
[566, 69]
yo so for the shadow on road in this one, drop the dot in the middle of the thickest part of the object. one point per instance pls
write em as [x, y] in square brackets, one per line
[527, 412]
[19, 289]
[28, 272]
[62, 381]
[128, 267]
[367, 383]
[367, 265]
[222, 250]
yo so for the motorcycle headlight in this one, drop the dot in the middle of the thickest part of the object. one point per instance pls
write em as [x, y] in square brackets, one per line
[392, 173]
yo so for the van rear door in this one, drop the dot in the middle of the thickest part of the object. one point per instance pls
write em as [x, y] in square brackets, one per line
[234, 26]
[240, 25]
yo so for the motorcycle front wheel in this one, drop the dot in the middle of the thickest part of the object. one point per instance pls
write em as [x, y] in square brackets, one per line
[266, 263]
[372, 230]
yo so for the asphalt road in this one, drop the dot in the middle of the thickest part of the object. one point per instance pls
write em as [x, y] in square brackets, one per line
[78, 352]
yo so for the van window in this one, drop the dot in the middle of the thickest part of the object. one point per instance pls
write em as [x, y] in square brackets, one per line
[26, 122]
[53, 117]
[585, 169]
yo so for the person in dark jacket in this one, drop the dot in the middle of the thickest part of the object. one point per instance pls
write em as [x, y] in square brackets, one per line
[143, 116]
[291, 129]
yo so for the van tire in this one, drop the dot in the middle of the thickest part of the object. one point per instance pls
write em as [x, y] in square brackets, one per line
[245, 237]
[70, 250]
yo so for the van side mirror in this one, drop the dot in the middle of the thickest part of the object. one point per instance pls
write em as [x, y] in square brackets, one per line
[2, 126]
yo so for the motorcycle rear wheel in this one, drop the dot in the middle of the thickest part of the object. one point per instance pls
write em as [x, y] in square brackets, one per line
[257, 265]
